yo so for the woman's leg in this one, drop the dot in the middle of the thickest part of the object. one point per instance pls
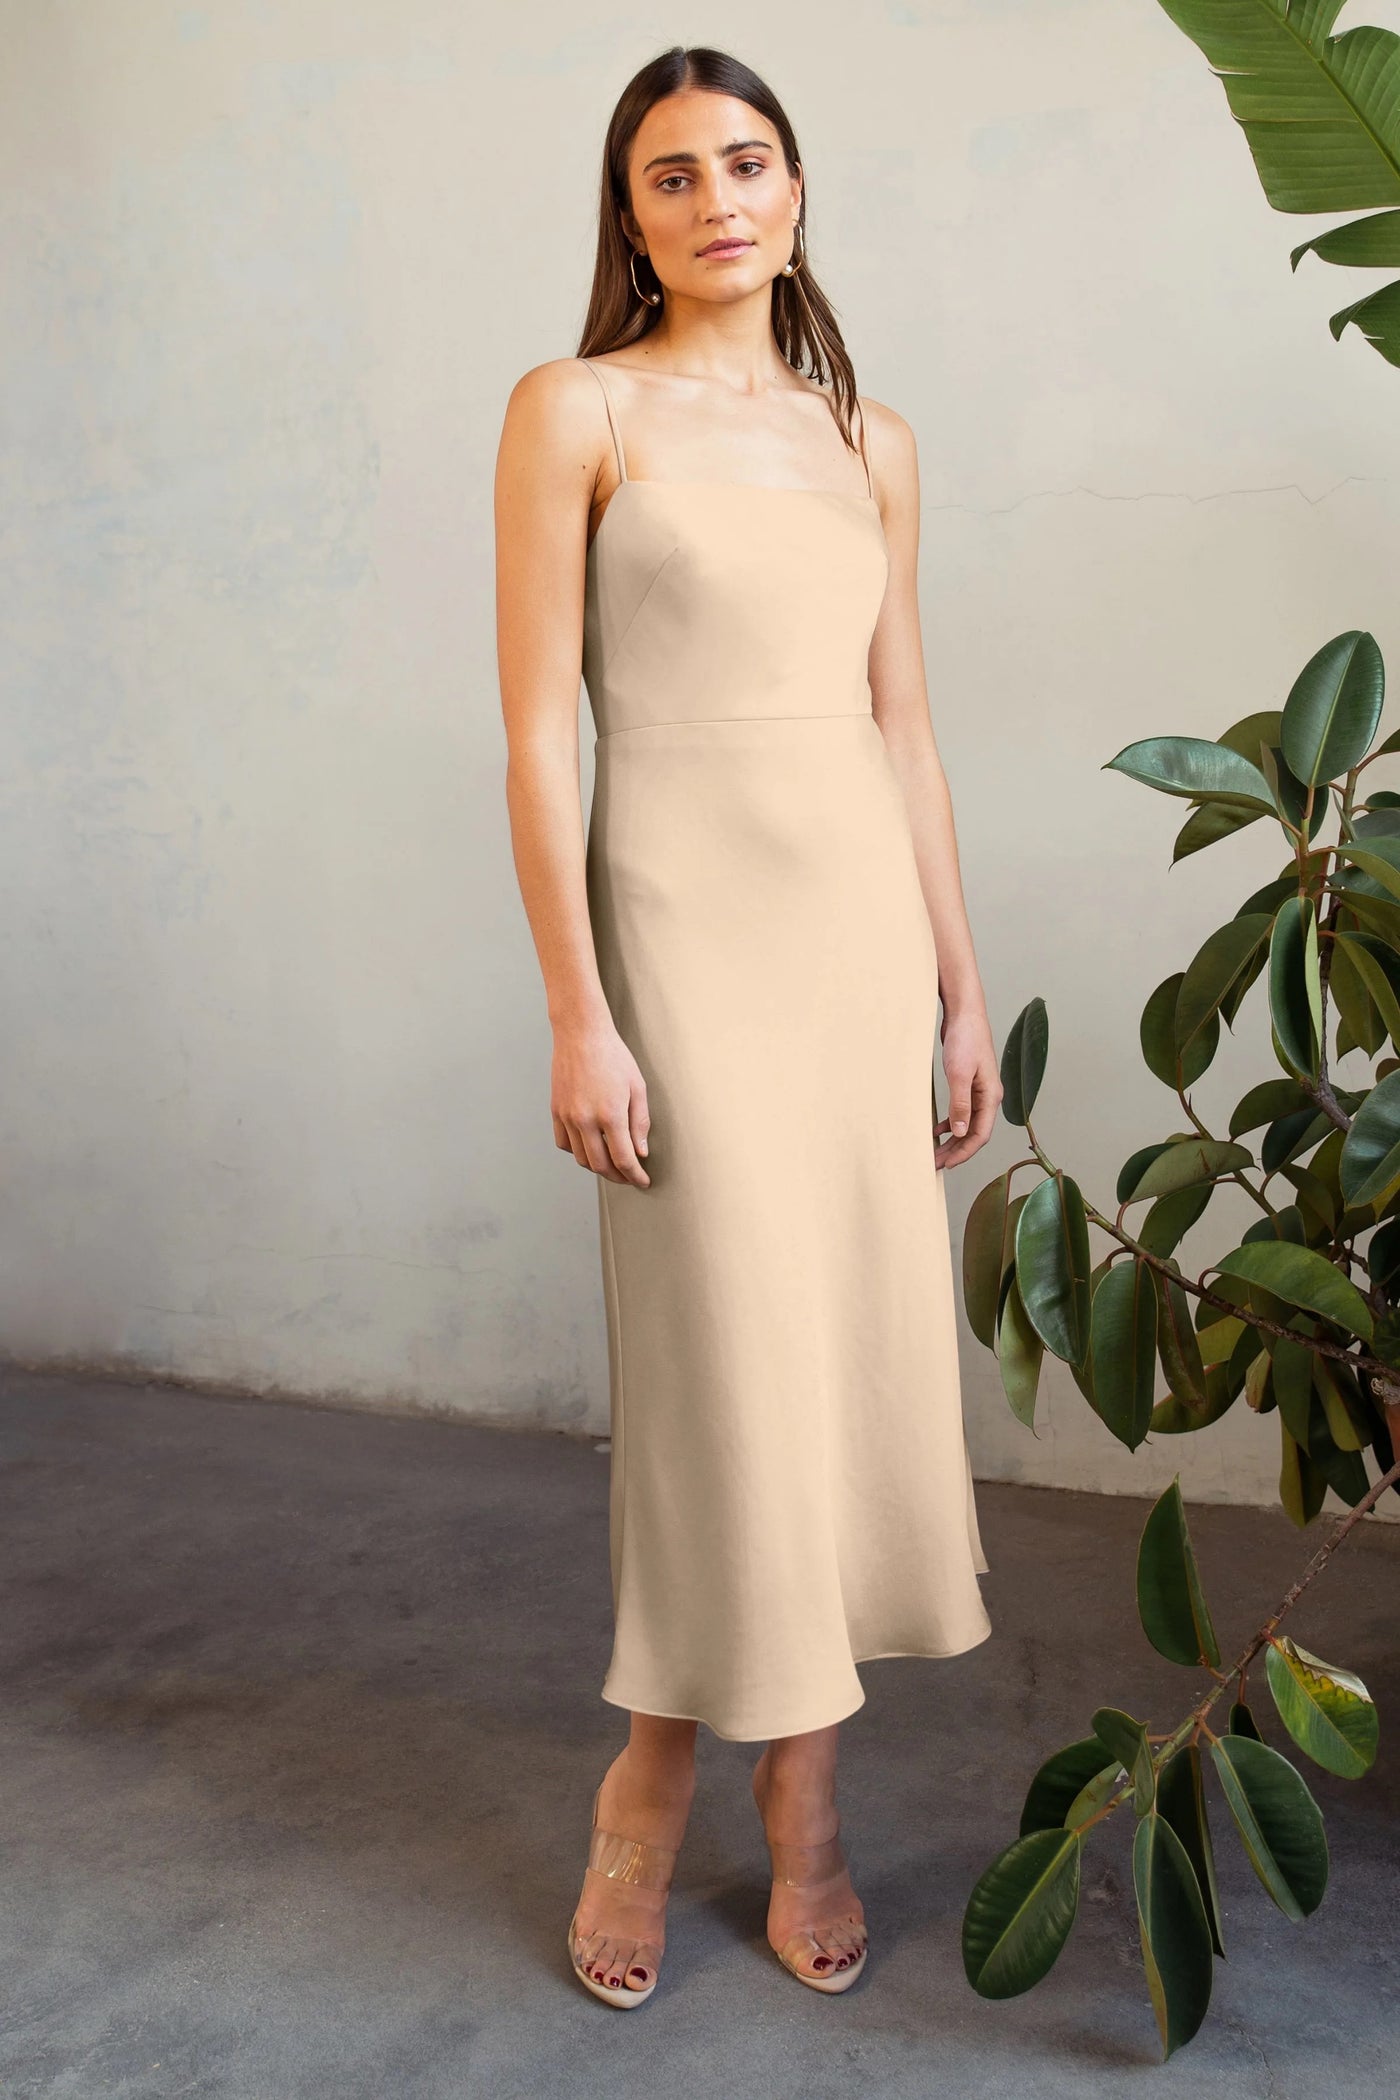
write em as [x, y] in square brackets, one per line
[646, 1794]
[794, 1784]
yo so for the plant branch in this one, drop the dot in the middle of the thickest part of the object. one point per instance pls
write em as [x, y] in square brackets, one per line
[1317, 1343]
[1196, 1718]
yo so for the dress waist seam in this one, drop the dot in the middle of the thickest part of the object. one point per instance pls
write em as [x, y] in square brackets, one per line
[844, 714]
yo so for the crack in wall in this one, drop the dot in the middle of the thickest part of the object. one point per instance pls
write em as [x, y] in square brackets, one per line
[1279, 488]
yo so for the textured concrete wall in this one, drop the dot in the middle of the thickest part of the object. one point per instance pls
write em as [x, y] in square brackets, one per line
[275, 1079]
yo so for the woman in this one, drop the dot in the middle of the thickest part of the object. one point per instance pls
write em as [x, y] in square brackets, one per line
[743, 965]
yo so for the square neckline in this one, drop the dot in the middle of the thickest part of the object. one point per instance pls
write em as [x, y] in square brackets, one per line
[780, 488]
[762, 488]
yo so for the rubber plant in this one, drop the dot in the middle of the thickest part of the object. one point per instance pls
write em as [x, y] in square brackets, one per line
[1300, 1320]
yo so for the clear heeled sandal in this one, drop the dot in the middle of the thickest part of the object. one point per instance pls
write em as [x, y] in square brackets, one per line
[621, 1954]
[839, 1938]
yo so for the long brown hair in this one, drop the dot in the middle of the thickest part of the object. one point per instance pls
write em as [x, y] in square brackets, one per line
[804, 322]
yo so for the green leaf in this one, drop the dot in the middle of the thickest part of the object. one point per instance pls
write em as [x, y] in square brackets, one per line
[1019, 1354]
[1266, 1103]
[1217, 968]
[1302, 1486]
[1370, 1163]
[1351, 995]
[1172, 1417]
[1328, 1712]
[1171, 1603]
[1208, 825]
[1287, 78]
[1303, 1277]
[1242, 1721]
[1052, 1266]
[1126, 1739]
[1019, 1914]
[1377, 857]
[1293, 1385]
[1023, 1061]
[1365, 244]
[1171, 1218]
[1060, 1780]
[1295, 988]
[1343, 1470]
[1094, 1795]
[988, 1237]
[1347, 1422]
[1179, 1345]
[1377, 316]
[1124, 1349]
[1157, 1036]
[1319, 115]
[1193, 767]
[1380, 914]
[1186, 1161]
[1378, 980]
[1181, 1800]
[1279, 1823]
[1333, 711]
[1219, 1334]
[1176, 1943]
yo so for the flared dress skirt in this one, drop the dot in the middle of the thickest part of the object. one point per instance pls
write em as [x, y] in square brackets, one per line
[790, 1492]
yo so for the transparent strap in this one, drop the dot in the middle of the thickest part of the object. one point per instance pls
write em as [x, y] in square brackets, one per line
[816, 1868]
[631, 1859]
[641, 1865]
[800, 1866]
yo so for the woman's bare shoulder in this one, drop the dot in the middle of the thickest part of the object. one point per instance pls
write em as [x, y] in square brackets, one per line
[894, 456]
[556, 423]
[555, 388]
[886, 426]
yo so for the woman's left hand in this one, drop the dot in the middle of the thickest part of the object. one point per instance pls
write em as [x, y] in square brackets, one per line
[974, 1086]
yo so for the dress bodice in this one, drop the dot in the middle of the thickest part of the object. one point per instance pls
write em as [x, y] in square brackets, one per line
[719, 601]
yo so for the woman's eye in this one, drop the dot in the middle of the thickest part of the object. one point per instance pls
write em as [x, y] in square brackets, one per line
[667, 180]
[756, 165]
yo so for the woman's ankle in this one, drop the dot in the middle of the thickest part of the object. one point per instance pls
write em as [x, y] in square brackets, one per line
[651, 1793]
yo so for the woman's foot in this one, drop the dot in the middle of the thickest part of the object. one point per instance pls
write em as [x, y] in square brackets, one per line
[818, 1926]
[619, 1927]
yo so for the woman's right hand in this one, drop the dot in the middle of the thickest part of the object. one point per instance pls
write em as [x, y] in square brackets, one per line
[598, 1098]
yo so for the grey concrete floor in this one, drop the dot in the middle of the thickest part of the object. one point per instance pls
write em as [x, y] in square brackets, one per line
[299, 1728]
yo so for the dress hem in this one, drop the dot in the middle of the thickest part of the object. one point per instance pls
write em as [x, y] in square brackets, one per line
[808, 1727]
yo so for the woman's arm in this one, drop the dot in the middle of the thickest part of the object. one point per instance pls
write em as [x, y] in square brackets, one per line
[899, 695]
[553, 445]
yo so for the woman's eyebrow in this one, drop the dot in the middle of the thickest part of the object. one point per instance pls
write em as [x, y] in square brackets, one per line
[735, 146]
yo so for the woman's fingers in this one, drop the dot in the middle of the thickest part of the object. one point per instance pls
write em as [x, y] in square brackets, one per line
[624, 1155]
[604, 1147]
[640, 1116]
[596, 1153]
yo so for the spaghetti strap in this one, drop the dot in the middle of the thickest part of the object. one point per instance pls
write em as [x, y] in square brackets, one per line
[864, 452]
[613, 424]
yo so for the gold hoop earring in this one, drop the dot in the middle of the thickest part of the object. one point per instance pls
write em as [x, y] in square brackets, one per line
[795, 262]
[648, 298]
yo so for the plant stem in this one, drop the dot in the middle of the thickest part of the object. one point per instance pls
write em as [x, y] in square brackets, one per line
[1196, 1718]
[1357, 1361]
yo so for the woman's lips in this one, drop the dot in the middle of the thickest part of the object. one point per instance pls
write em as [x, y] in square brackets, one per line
[726, 248]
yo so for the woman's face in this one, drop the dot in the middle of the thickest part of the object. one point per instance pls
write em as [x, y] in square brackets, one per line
[713, 204]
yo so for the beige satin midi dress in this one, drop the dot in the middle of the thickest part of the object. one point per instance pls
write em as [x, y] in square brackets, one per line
[790, 1491]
